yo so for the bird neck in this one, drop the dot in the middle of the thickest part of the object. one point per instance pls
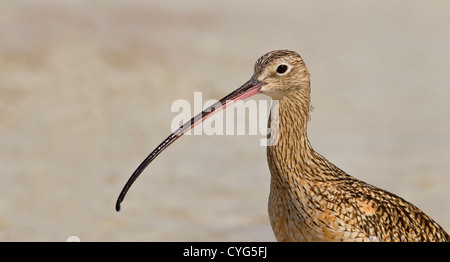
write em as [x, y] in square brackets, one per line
[290, 154]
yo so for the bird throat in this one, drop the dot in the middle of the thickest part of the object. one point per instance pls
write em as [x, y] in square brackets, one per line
[291, 157]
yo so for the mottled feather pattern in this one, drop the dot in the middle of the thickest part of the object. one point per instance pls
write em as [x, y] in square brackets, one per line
[313, 200]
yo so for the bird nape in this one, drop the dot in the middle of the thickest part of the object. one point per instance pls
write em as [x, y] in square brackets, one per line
[310, 198]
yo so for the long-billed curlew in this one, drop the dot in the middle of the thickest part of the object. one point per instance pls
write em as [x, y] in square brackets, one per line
[310, 198]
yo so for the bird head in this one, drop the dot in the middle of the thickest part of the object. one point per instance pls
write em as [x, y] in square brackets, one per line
[282, 72]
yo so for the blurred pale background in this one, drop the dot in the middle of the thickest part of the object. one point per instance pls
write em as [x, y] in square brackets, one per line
[86, 89]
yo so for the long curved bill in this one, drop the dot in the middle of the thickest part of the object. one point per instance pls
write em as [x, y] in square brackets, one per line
[250, 88]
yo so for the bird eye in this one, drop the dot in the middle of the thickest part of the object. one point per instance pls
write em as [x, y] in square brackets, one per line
[281, 69]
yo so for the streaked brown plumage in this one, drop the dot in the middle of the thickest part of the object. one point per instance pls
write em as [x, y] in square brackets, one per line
[310, 198]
